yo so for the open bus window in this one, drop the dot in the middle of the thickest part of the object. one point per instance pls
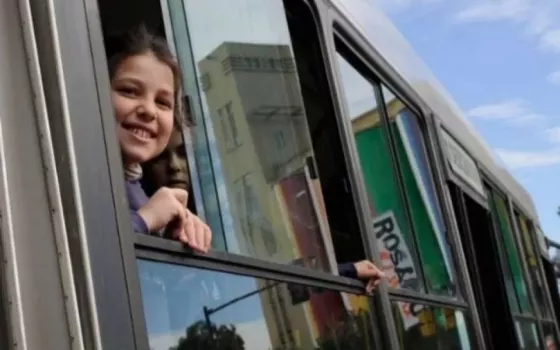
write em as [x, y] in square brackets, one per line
[261, 159]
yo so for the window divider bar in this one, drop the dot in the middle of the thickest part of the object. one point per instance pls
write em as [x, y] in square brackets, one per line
[397, 171]
[426, 299]
[525, 317]
[168, 251]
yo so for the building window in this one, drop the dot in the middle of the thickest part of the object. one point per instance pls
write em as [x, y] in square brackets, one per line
[229, 126]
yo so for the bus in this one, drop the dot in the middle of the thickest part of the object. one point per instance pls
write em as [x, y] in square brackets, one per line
[316, 137]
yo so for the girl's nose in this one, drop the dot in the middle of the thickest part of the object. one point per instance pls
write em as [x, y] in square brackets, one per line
[147, 110]
[174, 162]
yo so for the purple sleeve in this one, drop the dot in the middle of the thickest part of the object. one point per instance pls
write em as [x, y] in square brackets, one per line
[347, 270]
[138, 224]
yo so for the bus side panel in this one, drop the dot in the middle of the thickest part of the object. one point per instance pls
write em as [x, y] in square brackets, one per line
[35, 307]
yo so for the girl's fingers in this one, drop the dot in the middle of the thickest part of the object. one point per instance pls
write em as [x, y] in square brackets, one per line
[370, 286]
[207, 237]
[199, 238]
[180, 195]
[189, 231]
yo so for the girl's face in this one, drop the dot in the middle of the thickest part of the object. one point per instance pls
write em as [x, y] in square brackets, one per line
[143, 100]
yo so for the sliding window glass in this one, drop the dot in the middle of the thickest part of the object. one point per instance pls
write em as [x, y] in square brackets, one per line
[389, 217]
[192, 308]
[252, 142]
[513, 275]
[535, 277]
[403, 205]
[419, 190]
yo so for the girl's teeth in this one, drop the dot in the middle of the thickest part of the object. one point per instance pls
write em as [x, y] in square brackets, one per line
[141, 133]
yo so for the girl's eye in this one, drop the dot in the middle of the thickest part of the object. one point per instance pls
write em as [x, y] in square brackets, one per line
[164, 103]
[128, 91]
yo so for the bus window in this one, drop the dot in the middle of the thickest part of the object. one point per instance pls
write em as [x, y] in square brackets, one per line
[535, 277]
[389, 217]
[388, 212]
[422, 327]
[517, 289]
[421, 195]
[191, 308]
[527, 335]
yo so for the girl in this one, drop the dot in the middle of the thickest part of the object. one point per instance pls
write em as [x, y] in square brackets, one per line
[145, 89]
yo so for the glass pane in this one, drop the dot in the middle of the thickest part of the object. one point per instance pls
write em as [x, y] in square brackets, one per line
[539, 288]
[420, 191]
[209, 202]
[501, 211]
[393, 232]
[421, 327]
[528, 335]
[189, 308]
[550, 339]
[253, 126]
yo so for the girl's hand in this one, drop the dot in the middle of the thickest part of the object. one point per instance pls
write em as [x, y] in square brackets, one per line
[195, 233]
[165, 206]
[367, 270]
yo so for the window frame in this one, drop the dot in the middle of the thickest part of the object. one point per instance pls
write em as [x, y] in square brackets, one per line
[356, 58]
[341, 40]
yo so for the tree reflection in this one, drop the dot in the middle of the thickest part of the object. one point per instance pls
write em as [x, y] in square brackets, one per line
[350, 333]
[202, 336]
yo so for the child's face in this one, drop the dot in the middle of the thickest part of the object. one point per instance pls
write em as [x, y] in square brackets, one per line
[170, 168]
[142, 94]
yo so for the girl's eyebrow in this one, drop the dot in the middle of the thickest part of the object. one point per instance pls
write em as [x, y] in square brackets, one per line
[166, 92]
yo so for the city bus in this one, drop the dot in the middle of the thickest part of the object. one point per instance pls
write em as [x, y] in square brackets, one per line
[316, 137]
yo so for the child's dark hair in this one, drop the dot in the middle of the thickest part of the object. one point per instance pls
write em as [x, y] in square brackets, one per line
[139, 41]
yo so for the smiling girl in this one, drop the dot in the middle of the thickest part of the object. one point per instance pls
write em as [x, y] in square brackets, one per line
[145, 88]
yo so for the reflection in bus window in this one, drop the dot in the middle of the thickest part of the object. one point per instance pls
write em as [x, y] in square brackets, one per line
[515, 283]
[189, 308]
[421, 327]
[535, 277]
[170, 168]
[391, 227]
[251, 135]
[421, 195]
[527, 335]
